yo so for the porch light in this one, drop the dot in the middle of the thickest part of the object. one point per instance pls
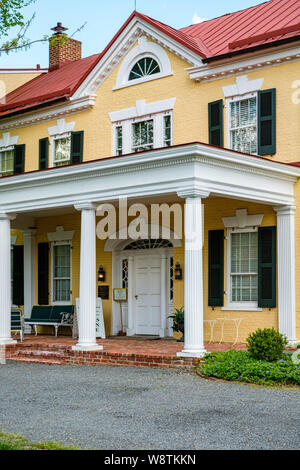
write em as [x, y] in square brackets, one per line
[101, 274]
[178, 272]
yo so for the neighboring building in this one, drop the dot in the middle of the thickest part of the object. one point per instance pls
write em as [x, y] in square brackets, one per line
[10, 79]
[207, 117]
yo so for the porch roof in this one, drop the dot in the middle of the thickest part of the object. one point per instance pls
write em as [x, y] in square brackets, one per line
[173, 170]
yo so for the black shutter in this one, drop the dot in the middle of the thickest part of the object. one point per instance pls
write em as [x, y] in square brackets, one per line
[216, 268]
[43, 274]
[43, 153]
[18, 275]
[267, 267]
[215, 118]
[19, 159]
[267, 122]
[77, 147]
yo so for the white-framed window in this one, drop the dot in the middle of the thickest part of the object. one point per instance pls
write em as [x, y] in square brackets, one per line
[62, 151]
[242, 268]
[242, 123]
[145, 62]
[7, 162]
[144, 67]
[61, 273]
[138, 135]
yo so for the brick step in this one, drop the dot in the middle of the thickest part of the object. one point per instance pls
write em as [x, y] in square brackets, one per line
[39, 360]
[40, 353]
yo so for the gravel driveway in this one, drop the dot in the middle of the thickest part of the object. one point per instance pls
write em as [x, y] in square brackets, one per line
[135, 408]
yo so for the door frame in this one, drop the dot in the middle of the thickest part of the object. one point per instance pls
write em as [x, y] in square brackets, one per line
[129, 311]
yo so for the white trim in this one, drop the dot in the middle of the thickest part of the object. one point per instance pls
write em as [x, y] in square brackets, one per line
[61, 235]
[141, 109]
[143, 49]
[13, 240]
[242, 87]
[241, 308]
[8, 142]
[163, 171]
[62, 129]
[225, 67]
[242, 220]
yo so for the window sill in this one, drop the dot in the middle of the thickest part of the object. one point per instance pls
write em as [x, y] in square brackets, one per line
[142, 80]
[242, 309]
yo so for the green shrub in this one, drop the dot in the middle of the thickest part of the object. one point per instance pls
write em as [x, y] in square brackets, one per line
[266, 345]
[239, 366]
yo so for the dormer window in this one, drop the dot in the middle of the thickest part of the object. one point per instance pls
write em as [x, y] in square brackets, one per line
[144, 68]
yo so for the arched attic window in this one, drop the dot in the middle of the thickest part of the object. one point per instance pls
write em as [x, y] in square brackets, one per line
[144, 68]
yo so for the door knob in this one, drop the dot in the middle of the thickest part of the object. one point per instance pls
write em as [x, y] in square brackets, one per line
[136, 297]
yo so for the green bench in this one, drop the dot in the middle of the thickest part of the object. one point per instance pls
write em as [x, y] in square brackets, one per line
[57, 316]
[17, 323]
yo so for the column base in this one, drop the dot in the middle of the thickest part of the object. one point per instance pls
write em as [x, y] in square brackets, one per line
[7, 342]
[87, 347]
[293, 342]
[130, 332]
[192, 353]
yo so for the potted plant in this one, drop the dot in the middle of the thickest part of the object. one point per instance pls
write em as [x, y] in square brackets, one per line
[178, 322]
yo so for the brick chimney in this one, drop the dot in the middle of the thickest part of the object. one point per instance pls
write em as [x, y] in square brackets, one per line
[62, 51]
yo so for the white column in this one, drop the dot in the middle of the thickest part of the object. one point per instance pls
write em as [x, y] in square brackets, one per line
[193, 276]
[163, 295]
[5, 280]
[286, 272]
[29, 271]
[87, 310]
[131, 325]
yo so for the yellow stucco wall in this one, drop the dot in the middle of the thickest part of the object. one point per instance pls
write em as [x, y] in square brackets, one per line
[14, 80]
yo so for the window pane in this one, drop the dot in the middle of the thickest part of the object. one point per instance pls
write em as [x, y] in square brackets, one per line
[62, 151]
[243, 123]
[167, 131]
[143, 68]
[119, 138]
[142, 134]
[62, 273]
[244, 259]
[7, 163]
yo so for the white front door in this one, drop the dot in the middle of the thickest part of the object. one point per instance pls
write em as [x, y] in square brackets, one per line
[147, 298]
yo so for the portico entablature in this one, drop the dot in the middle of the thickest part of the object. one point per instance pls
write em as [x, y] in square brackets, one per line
[219, 172]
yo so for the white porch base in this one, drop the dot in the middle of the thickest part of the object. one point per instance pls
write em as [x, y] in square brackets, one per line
[7, 342]
[87, 347]
[192, 353]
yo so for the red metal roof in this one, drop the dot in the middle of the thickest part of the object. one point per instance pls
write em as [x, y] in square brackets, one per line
[256, 26]
[262, 24]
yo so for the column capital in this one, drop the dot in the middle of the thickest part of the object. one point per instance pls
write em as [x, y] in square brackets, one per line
[5, 216]
[285, 210]
[85, 206]
[29, 233]
[193, 193]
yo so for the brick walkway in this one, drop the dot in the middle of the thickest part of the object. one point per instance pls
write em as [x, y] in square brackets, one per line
[116, 351]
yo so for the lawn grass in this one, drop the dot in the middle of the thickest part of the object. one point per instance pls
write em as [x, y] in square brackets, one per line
[19, 442]
[239, 366]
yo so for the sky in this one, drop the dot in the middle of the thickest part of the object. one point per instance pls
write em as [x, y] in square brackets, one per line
[104, 18]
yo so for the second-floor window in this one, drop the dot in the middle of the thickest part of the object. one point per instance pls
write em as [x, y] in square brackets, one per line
[243, 125]
[62, 151]
[139, 135]
[7, 163]
[142, 136]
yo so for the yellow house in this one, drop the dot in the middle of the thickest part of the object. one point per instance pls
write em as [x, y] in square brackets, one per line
[167, 166]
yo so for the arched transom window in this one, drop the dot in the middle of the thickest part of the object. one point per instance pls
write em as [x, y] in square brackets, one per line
[149, 244]
[144, 68]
